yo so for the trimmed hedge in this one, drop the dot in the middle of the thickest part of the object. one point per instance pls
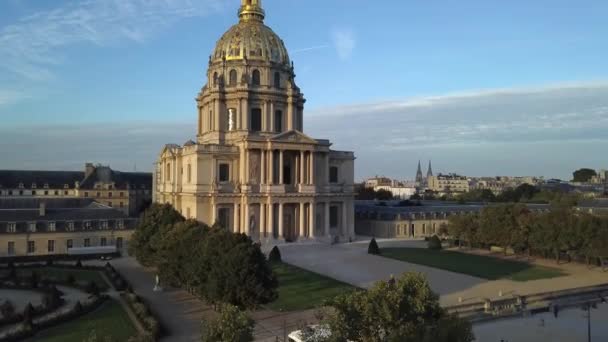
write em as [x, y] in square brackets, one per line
[274, 255]
[143, 314]
[373, 247]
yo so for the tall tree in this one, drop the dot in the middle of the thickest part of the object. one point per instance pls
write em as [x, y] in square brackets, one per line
[583, 175]
[403, 309]
[232, 325]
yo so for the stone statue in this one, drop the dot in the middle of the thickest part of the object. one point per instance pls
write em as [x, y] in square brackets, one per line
[252, 223]
[157, 287]
[231, 123]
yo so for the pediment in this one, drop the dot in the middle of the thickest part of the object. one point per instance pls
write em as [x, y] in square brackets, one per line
[293, 136]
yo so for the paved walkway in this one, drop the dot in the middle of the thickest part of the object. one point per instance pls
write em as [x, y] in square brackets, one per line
[350, 263]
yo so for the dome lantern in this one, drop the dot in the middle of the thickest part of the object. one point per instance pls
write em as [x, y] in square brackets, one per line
[251, 10]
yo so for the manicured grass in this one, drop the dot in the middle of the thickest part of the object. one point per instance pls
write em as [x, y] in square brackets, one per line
[82, 277]
[476, 265]
[110, 320]
[300, 289]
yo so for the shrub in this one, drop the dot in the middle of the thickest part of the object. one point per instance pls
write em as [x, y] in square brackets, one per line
[71, 280]
[373, 247]
[92, 288]
[7, 309]
[78, 307]
[79, 264]
[434, 243]
[34, 279]
[231, 325]
[28, 314]
[274, 255]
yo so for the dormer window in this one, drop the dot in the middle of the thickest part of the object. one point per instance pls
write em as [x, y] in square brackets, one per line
[31, 227]
[70, 226]
[121, 224]
[52, 226]
[104, 224]
[33, 185]
[66, 186]
[21, 186]
[46, 185]
[87, 224]
[11, 228]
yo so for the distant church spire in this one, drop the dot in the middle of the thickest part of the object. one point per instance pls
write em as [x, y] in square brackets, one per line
[419, 179]
[429, 173]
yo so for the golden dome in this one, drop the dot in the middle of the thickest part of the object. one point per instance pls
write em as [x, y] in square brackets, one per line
[250, 39]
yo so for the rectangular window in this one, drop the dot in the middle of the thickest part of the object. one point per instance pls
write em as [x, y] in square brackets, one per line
[20, 192]
[12, 228]
[98, 194]
[46, 192]
[70, 226]
[33, 192]
[86, 194]
[223, 215]
[69, 243]
[51, 246]
[189, 173]
[87, 242]
[121, 204]
[110, 194]
[103, 241]
[122, 194]
[121, 224]
[104, 224]
[31, 247]
[256, 120]
[333, 216]
[187, 213]
[52, 226]
[56, 193]
[10, 192]
[278, 121]
[224, 173]
[31, 227]
[333, 174]
[118, 243]
[87, 224]
[11, 248]
[109, 204]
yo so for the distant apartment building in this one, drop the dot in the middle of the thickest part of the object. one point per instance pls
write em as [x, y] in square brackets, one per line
[399, 189]
[499, 184]
[448, 184]
[34, 226]
[128, 192]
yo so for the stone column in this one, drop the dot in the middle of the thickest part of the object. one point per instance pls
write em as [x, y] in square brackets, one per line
[272, 128]
[312, 168]
[262, 220]
[247, 180]
[270, 226]
[302, 169]
[213, 213]
[264, 116]
[344, 223]
[312, 219]
[217, 115]
[242, 165]
[296, 169]
[281, 236]
[271, 167]
[302, 227]
[281, 179]
[235, 213]
[239, 116]
[246, 122]
[246, 219]
[262, 167]
[327, 219]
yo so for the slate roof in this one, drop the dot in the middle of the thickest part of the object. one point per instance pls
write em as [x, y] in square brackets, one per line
[10, 179]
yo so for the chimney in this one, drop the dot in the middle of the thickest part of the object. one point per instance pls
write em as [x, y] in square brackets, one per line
[88, 169]
[42, 209]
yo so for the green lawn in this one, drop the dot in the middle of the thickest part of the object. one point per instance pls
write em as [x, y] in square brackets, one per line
[61, 274]
[300, 289]
[109, 320]
[476, 265]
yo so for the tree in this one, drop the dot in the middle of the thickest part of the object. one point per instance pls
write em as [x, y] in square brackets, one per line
[434, 243]
[583, 175]
[231, 325]
[373, 247]
[274, 255]
[156, 216]
[399, 310]
[7, 309]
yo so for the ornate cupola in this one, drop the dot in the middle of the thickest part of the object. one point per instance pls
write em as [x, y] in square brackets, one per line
[251, 10]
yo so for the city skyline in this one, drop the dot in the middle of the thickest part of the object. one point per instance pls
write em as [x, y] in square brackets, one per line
[485, 97]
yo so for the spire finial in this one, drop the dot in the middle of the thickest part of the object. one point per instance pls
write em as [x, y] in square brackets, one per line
[251, 10]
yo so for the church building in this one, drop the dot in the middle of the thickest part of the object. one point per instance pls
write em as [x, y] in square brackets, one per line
[252, 169]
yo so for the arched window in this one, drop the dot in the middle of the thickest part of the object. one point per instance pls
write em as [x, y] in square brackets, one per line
[278, 121]
[232, 81]
[215, 79]
[255, 78]
[277, 80]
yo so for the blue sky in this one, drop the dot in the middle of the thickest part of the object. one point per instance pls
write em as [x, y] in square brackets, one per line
[480, 87]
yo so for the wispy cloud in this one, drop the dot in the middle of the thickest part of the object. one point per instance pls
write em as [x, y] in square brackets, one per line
[311, 48]
[30, 46]
[548, 131]
[8, 96]
[344, 42]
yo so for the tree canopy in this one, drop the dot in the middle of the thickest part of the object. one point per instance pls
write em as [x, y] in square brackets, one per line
[403, 309]
[583, 175]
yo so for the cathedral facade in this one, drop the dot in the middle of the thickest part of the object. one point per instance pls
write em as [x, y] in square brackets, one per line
[252, 169]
